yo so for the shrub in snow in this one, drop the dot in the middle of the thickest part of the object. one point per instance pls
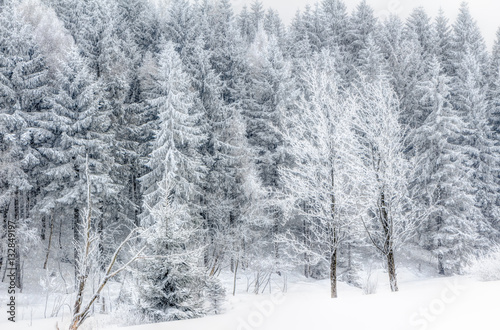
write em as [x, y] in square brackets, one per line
[370, 284]
[215, 294]
[320, 271]
[487, 268]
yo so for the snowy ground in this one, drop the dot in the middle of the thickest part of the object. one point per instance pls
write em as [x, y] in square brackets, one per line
[440, 303]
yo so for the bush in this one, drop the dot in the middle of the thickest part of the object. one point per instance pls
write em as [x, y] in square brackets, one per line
[371, 283]
[487, 267]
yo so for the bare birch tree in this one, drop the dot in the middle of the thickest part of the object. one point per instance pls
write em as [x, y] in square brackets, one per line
[388, 220]
[87, 261]
[322, 185]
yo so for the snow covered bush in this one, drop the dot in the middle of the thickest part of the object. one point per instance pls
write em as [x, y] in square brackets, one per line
[370, 283]
[487, 267]
[215, 292]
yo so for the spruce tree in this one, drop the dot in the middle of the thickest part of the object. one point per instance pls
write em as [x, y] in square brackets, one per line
[270, 96]
[335, 20]
[443, 183]
[174, 157]
[171, 285]
[25, 125]
[443, 42]
[362, 24]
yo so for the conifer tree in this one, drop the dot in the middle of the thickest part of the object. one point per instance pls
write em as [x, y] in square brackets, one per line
[270, 95]
[362, 24]
[25, 125]
[171, 285]
[335, 20]
[443, 42]
[466, 37]
[470, 100]
[443, 179]
[174, 157]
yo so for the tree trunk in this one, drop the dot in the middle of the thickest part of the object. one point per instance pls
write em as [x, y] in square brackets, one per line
[439, 222]
[17, 254]
[307, 266]
[100, 233]
[388, 247]
[42, 232]
[103, 305]
[242, 257]
[60, 234]
[231, 226]
[75, 323]
[135, 195]
[207, 227]
[275, 231]
[275, 235]
[440, 264]
[4, 225]
[335, 244]
[391, 269]
[234, 279]
[50, 242]
[27, 205]
[333, 273]
[349, 263]
[21, 205]
[76, 239]
[5, 220]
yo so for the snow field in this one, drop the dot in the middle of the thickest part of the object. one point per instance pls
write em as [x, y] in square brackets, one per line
[445, 303]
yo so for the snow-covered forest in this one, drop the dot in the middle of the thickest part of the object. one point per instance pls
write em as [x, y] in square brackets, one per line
[169, 149]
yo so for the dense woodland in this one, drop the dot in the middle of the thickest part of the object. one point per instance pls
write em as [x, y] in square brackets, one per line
[235, 143]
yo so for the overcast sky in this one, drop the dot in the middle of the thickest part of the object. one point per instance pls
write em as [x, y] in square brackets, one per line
[486, 12]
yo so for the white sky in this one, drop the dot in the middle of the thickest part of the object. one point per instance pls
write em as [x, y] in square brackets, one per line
[486, 12]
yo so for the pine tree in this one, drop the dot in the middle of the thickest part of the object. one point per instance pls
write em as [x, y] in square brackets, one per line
[298, 45]
[232, 188]
[25, 121]
[227, 49]
[443, 40]
[257, 14]
[93, 25]
[494, 123]
[419, 26]
[274, 26]
[443, 180]
[335, 20]
[113, 86]
[371, 63]
[144, 23]
[314, 28]
[406, 48]
[494, 90]
[470, 99]
[466, 36]
[180, 24]
[171, 285]
[270, 95]
[361, 25]
[244, 24]
[174, 157]
[79, 133]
